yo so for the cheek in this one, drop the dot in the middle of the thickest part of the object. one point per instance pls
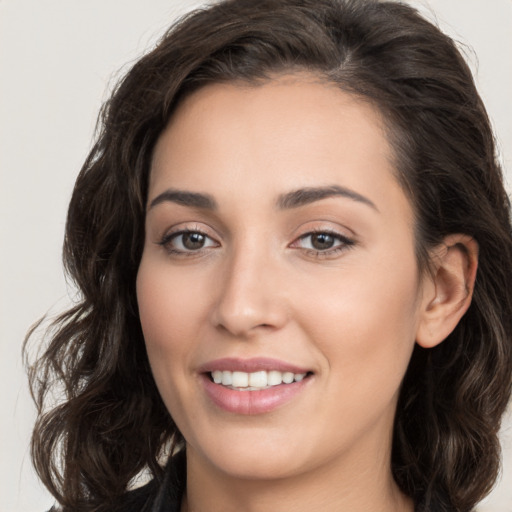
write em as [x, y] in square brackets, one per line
[364, 322]
[170, 310]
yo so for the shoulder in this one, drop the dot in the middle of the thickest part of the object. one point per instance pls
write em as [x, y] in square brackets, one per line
[137, 500]
[159, 495]
[140, 499]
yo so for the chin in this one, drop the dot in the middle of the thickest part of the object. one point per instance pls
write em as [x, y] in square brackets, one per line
[250, 458]
[255, 467]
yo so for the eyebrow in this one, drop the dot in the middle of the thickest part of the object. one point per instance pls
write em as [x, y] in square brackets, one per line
[290, 200]
[304, 196]
[185, 198]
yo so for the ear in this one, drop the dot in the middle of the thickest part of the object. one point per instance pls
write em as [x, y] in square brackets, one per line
[448, 290]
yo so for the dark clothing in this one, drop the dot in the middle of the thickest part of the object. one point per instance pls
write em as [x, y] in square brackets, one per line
[163, 496]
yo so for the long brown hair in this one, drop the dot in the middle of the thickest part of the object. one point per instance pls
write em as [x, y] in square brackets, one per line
[112, 423]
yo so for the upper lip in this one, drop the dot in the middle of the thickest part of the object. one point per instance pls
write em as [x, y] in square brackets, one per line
[251, 365]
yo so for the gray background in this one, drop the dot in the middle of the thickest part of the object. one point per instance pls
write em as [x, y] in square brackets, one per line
[58, 59]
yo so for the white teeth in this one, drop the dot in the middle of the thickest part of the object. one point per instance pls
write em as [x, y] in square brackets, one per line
[287, 377]
[227, 378]
[274, 378]
[258, 379]
[240, 380]
[255, 380]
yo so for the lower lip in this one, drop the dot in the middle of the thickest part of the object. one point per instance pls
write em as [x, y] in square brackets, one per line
[252, 402]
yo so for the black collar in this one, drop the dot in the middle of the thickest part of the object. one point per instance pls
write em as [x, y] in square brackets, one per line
[172, 487]
[160, 494]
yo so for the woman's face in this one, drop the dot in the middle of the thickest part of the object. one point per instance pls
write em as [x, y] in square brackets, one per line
[278, 289]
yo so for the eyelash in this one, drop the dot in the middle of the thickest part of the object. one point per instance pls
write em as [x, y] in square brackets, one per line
[167, 239]
[345, 243]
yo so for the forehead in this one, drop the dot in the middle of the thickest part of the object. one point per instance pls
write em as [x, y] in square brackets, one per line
[293, 131]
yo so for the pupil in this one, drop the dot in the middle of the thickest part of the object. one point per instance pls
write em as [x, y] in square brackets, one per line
[322, 241]
[193, 240]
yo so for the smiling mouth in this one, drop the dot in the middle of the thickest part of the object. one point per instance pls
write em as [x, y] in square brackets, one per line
[255, 381]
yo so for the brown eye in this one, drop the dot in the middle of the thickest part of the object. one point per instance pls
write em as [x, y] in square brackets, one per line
[322, 241]
[187, 242]
[193, 240]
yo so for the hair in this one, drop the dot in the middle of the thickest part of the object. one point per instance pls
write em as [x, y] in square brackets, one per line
[112, 423]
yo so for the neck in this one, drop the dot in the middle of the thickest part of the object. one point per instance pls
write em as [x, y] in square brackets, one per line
[357, 483]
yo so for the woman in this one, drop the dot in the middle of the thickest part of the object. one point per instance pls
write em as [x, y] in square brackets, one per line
[276, 238]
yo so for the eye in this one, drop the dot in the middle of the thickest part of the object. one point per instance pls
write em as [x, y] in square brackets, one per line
[187, 242]
[323, 243]
[319, 241]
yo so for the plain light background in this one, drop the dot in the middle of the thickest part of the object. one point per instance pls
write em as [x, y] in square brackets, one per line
[58, 60]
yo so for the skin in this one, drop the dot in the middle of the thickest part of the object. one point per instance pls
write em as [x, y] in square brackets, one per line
[256, 288]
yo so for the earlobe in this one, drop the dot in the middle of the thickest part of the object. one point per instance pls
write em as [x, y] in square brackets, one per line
[449, 289]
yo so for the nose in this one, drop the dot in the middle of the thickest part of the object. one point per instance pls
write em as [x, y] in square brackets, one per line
[251, 297]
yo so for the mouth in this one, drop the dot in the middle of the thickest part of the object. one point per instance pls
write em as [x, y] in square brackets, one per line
[253, 386]
[255, 381]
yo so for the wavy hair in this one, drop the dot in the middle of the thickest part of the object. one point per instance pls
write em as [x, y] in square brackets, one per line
[112, 423]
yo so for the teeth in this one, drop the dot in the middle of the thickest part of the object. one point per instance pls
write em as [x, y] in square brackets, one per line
[240, 379]
[258, 379]
[227, 378]
[288, 377]
[274, 378]
[255, 380]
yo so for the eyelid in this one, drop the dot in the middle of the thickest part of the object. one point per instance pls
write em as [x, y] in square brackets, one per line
[342, 242]
[190, 227]
[345, 242]
[181, 229]
[334, 234]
